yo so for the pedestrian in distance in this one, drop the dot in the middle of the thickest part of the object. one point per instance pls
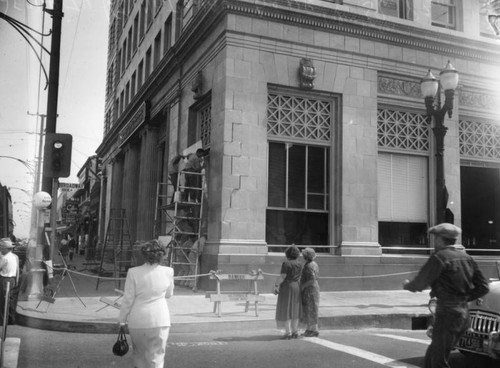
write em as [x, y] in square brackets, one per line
[63, 247]
[71, 247]
[144, 307]
[9, 273]
[289, 304]
[309, 291]
[455, 279]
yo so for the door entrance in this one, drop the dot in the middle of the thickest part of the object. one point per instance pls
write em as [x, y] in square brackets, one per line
[480, 196]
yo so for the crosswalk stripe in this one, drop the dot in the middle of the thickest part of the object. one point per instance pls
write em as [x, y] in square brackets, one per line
[377, 358]
[404, 338]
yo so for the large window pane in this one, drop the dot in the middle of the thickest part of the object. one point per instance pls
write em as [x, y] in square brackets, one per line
[402, 234]
[316, 178]
[443, 13]
[316, 170]
[298, 185]
[296, 227]
[296, 176]
[277, 175]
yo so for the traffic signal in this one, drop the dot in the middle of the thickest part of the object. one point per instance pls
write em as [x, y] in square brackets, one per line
[57, 155]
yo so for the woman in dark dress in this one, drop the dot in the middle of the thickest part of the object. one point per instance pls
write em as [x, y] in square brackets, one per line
[309, 290]
[288, 305]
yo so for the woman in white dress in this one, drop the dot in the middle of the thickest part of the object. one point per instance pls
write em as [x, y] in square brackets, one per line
[144, 307]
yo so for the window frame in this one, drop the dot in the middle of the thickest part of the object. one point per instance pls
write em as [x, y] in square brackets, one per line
[334, 145]
[410, 126]
[195, 133]
[453, 7]
[404, 9]
[326, 176]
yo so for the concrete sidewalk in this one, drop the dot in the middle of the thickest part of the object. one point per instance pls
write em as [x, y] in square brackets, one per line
[192, 312]
[80, 309]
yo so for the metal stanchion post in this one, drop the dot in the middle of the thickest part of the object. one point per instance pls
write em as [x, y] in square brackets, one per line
[5, 321]
[53, 222]
[35, 248]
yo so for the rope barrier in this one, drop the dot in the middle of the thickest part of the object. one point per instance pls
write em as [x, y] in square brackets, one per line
[370, 276]
[192, 277]
[183, 277]
[354, 277]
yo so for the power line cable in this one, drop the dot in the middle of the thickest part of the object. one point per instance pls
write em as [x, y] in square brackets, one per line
[72, 48]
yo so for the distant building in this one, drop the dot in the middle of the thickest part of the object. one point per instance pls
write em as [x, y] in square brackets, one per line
[316, 126]
[6, 216]
[82, 208]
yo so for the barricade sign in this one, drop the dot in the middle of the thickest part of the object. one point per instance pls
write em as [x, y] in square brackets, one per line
[251, 295]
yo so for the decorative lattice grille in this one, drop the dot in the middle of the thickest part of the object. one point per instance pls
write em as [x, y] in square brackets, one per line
[479, 139]
[299, 117]
[403, 131]
[205, 122]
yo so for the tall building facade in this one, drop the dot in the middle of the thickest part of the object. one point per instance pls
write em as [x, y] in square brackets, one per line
[316, 125]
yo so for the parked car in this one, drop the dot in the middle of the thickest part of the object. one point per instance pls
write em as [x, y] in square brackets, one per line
[483, 336]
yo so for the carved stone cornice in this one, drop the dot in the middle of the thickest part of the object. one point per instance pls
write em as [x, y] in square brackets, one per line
[478, 100]
[362, 26]
[400, 87]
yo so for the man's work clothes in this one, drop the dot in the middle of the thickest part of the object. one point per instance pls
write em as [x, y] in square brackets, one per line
[9, 273]
[455, 279]
[453, 276]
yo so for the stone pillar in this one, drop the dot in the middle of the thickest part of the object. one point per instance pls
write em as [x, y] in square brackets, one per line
[130, 187]
[148, 174]
[238, 164]
[359, 228]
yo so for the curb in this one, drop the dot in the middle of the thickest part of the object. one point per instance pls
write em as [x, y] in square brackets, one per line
[392, 321]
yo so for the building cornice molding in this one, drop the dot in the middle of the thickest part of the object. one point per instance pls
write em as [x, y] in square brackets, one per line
[468, 97]
[397, 85]
[478, 99]
[361, 26]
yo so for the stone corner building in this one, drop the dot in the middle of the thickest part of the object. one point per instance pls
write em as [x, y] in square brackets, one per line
[316, 126]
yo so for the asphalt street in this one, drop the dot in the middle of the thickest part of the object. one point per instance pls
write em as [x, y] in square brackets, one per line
[262, 348]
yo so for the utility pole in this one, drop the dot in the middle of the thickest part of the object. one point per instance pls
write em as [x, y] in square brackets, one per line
[38, 172]
[49, 184]
[53, 89]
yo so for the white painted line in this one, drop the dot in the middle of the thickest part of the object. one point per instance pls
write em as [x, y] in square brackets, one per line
[376, 358]
[404, 338]
[201, 343]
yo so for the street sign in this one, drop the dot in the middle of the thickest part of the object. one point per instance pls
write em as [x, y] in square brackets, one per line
[70, 186]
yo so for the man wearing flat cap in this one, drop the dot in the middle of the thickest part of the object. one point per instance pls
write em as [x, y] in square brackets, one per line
[9, 272]
[455, 279]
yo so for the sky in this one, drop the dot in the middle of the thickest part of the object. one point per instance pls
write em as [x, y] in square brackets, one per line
[82, 79]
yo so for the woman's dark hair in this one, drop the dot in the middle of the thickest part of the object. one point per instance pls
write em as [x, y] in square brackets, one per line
[292, 252]
[152, 252]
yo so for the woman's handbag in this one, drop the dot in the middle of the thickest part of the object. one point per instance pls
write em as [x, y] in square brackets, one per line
[120, 348]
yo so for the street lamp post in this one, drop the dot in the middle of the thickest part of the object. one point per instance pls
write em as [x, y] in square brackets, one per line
[431, 88]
